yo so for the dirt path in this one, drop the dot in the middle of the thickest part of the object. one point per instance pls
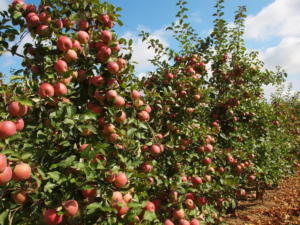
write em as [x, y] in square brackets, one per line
[280, 206]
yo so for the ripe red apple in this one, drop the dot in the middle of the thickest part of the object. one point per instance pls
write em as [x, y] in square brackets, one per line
[106, 36]
[76, 46]
[147, 167]
[168, 222]
[103, 54]
[197, 180]
[22, 171]
[150, 206]
[143, 116]
[97, 81]
[122, 63]
[111, 94]
[89, 193]
[127, 197]
[52, 218]
[190, 196]
[120, 180]
[135, 94]
[7, 129]
[32, 19]
[61, 66]
[83, 37]
[60, 89]
[44, 18]
[183, 222]
[42, 29]
[148, 109]
[64, 43]
[121, 206]
[105, 20]
[201, 200]
[17, 109]
[19, 124]
[155, 149]
[20, 197]
[113, 67]
[70, 55]
[83, 25]
[46, 90]
[121, 117]
[207, 161]
[194, 222]
[208, 148]
[71, 207]
[59, 24]
[189, 204]
[179, 214]
[3, 162]
[117, 196]
[5, 176]
[119, 101]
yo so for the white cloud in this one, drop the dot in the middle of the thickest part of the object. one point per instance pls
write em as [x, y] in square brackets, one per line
[3, 5]
[141, 53]
[286, 54]
[280, 18]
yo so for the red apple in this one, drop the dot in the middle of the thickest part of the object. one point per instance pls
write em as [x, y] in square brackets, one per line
[97, 81]
[150, 206]
[103, 54]
[194, 222]
[59, 24]
[5, 176]
[70, 55]
[17, 109]
[183, 222]
[52, 218]
[201, 200]
[83, 37]
[113, 67]
[120, 180]
[64, 43]
[7, 129]
[143, 116]
[89, 193]
[135, 94]
[197, 180]
[19, 124]
[60, 89]
[83, 25]
[119, 101]
[106, 36]
[71, 207]
[121, 117]
[179, 214]
[20, 197]
[22, 171]
[207, 161]
[46, 90]
[3, 162]
[168, 222]
[61, 66]
[121, 206]
[32, 19]
[111, 94]
[147, 167]
[44, 18]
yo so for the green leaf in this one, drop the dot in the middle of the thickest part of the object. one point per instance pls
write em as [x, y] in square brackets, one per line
[3, 217]
[55, 175]
[150, 216]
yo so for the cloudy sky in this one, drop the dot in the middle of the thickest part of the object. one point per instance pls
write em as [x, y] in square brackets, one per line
[271, 28]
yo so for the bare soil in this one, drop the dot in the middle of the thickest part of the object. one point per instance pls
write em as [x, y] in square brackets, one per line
[280, 206]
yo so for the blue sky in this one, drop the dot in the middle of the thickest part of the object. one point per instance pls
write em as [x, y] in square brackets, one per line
[271, 28]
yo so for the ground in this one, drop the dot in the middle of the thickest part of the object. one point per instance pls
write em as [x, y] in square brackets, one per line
[280, 206]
